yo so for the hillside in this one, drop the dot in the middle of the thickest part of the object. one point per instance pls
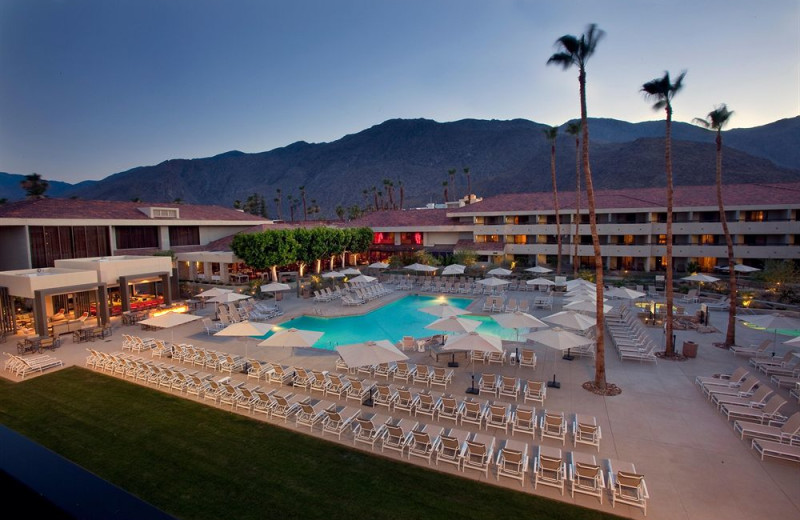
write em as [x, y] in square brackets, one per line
[503, 156]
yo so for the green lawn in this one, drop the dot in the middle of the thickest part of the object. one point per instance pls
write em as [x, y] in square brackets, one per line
[198, 462]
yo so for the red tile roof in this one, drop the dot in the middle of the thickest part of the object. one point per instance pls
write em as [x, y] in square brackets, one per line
[48, 208]
[684, 196]
[406, 218]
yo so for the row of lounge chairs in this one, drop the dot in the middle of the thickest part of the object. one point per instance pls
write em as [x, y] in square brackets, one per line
[630, 337]
[22, 366]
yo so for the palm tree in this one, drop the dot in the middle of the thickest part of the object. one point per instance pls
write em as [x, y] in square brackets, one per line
[402, 193]
[574, 129]
[451, 174]
[577, 51]
[375, 196]
[340, 212]
[663, 90]
[716, 120]
[389, 186]
[552, 134]
[303, 196]
[469, 184]
[444, 185]
[34, 186]
[279, 203]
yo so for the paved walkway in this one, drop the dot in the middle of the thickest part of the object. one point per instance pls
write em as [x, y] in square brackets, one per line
[695, 466]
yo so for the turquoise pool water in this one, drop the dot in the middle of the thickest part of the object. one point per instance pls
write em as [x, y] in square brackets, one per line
[392, 321]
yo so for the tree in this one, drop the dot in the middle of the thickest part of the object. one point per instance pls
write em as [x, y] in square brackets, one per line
[577, 51]
[340, 212]
[574, 129]
[662, 90]
[375, 197]
[444, 186]
[279, 203]
[266, 249]
[237, 204]
[389, 186]
[402, 193]
[551, 134]
[465, 257]
[34, 186]
[303, 197]
[136, 199]
[469, 184]
[354, 212]
[716, 120]
[451, 173]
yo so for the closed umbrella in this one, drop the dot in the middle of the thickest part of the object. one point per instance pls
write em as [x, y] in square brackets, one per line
[473, 342]
[499, 271]
[558, 339]
[370, 353]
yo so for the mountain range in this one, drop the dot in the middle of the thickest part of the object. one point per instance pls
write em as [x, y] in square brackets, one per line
[502, 157]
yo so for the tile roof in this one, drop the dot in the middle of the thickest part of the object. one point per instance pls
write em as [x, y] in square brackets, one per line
[685, 196]
[405, 218]
[48, 208]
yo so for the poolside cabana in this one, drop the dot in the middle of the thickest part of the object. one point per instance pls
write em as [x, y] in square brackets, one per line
[49, 288]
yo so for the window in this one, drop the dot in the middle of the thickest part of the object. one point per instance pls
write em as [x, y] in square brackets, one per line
[184, 236]
[755, 216]
[413, 238]
[383, 238]
[51, 243]
[135, 237]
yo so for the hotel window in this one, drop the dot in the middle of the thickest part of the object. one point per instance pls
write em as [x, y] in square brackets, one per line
[628, 240]
[184, 236]
[51, 243]
[512, 220]
[135, 237]
[661, 240]
[708, 240]
[755, 216]
[516, 239]
[480, 221]
[383, 238]
[413, 238]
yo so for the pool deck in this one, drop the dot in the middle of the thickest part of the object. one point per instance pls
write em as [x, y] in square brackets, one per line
[695, 466]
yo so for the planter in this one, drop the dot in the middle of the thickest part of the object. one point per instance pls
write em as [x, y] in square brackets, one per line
[689, 349]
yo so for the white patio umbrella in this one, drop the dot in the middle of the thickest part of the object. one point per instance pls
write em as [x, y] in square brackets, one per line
[493, 282]
[292, 338]
[586, 305]
[379, 265]
[774, 323]
[453, 269]
[700, 277]
[454, 324]
[350, 271]
[793, 341]
[443, 310]
[571, 320]
[229, 297]
[370, 353]
[169, 320]
[245, 329]
[211, 293]
[741, 268]
[540, 281]
[578, 282]
[333, 274]
[364, 278]
[625, 293]
[473, 342]
[518, 320]
[275, 288]
[539, 270]
[558, 339]
[421, 267]
[499, 271]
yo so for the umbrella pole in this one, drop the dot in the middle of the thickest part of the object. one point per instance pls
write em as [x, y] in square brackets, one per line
[369, 401]
[554, 383]
[568, 357]
[472, 390]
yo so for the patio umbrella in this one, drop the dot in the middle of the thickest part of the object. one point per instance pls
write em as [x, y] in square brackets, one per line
[211, 293]
[540, 281]
[740, 268]
[539, 270]
[453, 324]
[793, 341]
[169, 320]
[292, 338]
[493, 282]
[443, 310]
[275, 288]
[333, 274]
[245, 329]
[700, 277]
[518, 320]
[580, 282]
[229, 297]
[500, 271]
[571, 320]
[625, 293]
[474, 342]
[350, 271]
[558, 339]
[370, 353]
[586, 306]
[379, 265]
[453, 269]
[364, 278]
[773, 323]
[421, 267]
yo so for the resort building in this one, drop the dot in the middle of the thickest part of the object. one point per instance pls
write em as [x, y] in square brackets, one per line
[521, 227]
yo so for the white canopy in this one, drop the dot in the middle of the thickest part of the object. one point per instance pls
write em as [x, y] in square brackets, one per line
[275, 287]
[379, 265]
[500, 271]
[558, 338]
[443, 310]
[350, 271]
[454, 324]
[453, 269]
[571, 320]
[333, 274]
[474, 341]
[292, 338]
[370, 353]
[363, 278]
[540, 281]
[625, 293]
[538, 269]
[700, 277]
[586, 306]
[245, 328]
[421, 267]
[169, 319]
[229, 297]
[518, 320]
[210, 293]
[493, 282]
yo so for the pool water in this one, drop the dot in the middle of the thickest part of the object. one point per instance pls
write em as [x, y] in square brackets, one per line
[391, 322]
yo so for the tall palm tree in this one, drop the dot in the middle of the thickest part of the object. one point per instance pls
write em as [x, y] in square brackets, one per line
[662, 90]
[551, 134]
[716, 120]
[279, 203]
[577, 51]
[469, 184]
[574, 129]
[402, 193]
[444, 187]
[34, 186]
[303, 196]
[451, 173]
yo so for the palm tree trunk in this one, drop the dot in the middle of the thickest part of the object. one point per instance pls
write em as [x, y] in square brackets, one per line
[600, 358]
[576, 238]
[555, 204]
[730, 335]
[670, 347]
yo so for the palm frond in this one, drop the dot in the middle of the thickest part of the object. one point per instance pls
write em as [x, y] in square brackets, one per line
[565, 60]
[550, 133]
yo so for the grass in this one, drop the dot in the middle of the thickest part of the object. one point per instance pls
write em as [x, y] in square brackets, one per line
[195, 461]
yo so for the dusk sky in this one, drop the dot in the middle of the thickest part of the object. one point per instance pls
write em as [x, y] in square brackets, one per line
[95, 87]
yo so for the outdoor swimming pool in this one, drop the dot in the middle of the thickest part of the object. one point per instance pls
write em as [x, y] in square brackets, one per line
[391, 322]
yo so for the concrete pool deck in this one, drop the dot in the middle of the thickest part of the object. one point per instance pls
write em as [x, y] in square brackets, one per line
[695, 465]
